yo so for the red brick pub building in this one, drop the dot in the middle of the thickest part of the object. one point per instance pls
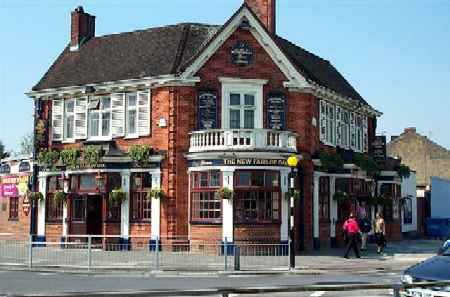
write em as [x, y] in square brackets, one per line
[220, 107]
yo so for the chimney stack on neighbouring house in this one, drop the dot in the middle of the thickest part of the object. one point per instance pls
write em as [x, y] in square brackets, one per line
[266, 12]
[82, 28]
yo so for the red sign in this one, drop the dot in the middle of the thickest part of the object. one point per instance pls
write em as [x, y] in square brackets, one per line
[26, 205]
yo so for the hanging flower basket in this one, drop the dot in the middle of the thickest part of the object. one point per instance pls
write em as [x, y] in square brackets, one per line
[140, 154]
[117, 196]
[156, 193]
[296, 195]
[36, 196]
[224, 193]
[60, 197]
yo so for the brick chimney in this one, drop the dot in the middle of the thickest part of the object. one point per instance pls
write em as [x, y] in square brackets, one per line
[410, 130]
[266, 12]
[82, 28]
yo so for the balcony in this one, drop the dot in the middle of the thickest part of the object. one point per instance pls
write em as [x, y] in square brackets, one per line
[243, 140]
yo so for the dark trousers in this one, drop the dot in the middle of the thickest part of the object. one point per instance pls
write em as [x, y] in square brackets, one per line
[352, 243]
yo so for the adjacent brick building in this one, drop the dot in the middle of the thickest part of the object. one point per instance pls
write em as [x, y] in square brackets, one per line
[222, 107]
[425, 157]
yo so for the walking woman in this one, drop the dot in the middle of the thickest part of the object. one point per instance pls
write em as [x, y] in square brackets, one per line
[380, 233]
[351, 228]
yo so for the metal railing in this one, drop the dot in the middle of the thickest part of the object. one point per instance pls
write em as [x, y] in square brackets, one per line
[242, 139]
[155, 254]
[396, 289]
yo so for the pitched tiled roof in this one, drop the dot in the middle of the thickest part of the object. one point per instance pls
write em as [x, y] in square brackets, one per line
[167, 50]
[318, 70]
[132, 55]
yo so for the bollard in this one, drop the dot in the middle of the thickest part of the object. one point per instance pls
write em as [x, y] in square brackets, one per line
[89, 252]
[225, 252]
[30, 253]
[237, 258]
[157, 254]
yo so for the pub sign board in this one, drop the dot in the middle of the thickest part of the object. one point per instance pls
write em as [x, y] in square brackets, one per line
[276, 111]
[241, 53]
[207, 110]
[239, 162]
[379, 147]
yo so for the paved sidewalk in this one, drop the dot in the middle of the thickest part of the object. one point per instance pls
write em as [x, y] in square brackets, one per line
[397, 257]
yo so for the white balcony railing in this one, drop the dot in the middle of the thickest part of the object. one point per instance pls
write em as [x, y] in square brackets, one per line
[242, 139]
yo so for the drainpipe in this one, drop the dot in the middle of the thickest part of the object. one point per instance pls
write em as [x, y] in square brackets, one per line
[35, 172]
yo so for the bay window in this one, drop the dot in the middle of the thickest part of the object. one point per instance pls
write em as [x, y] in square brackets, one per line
[257, 197]
[206, 206]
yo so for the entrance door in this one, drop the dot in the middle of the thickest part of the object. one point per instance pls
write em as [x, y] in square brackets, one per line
[324, 211]
[94, 215]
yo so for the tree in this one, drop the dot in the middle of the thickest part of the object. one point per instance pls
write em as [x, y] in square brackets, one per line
[26, 144]
[3, 153]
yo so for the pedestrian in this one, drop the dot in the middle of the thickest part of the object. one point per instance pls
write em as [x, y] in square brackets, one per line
[379, 228]
[365, 226]
[351, 228]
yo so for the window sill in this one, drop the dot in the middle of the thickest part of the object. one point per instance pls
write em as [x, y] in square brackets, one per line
[193, 222]
[131, 137]
[140, 222]
[108, 138]
[68, 141]
[54, 222]
[13, 219]
[258, 223]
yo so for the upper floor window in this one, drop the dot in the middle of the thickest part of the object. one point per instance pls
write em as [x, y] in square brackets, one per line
[344, 128]
[242, 111]
[69, 119]
[131, 114]
[242, 103]
[99, 117]
[103, 118]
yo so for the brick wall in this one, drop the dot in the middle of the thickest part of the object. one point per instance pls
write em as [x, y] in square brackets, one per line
[20, 228]
[53, 232]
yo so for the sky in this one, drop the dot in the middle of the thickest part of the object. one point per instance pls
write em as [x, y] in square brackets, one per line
[395, 53]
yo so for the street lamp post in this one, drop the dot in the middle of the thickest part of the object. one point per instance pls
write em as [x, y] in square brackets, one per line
[292, 162]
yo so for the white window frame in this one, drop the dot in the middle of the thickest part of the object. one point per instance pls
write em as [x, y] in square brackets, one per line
[100, 111]
[330, 122]
[242, 86]
[65, 139]
[127, 110]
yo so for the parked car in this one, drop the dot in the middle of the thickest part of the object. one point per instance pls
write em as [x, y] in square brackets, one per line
[436, 268]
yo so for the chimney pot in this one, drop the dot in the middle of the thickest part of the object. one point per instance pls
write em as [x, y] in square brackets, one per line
[82, 28]
[410, 130]
[266, 12]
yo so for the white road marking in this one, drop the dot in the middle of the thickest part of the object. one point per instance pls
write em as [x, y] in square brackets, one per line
[317, 294]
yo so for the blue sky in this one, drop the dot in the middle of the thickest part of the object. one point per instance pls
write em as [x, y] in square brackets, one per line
[395, 53]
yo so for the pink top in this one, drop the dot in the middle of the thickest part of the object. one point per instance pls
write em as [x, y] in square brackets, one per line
[351, 226]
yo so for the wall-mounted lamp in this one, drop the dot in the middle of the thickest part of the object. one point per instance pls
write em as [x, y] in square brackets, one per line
[162, 122]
